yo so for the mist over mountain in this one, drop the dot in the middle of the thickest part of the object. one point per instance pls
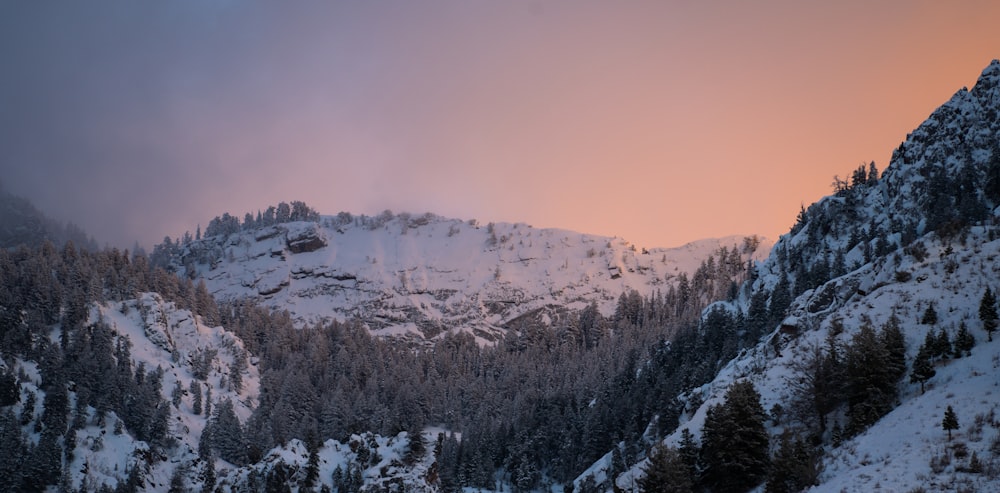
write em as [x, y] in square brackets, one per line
[291, 351]
[21, 224]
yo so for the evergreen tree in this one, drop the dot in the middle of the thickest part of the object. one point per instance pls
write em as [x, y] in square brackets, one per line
[689, 452]
[44, 465]
[923, 369]
[781, 298]
[795, 467]
[872, 377]
[735, 441]
[133, 481]
[176, 394]
[195, 389]
[416, 448]
[177, 478]
[930, 315]
[964, 341]
[895, 345]
[666, 472]
[872, 173]
[227, 434]
[950, 421]
[208, 401]
[10, 391]
[312, 465]
[13, 451]
[205, 443]
[988, 313]
[208, 477]
[942, 344]
[236, 370]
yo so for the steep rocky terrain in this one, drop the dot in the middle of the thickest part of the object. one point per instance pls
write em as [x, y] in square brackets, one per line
[917, 248]
[421, 276]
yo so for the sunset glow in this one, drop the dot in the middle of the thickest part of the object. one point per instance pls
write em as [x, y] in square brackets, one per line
[659, 122]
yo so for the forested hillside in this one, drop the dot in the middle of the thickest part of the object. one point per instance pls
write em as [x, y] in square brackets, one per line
[99, 344]
[885, 291]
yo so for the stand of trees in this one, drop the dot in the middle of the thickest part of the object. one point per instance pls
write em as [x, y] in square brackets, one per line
[43, 288]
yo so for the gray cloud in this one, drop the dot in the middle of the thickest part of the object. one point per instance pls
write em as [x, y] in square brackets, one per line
[642, 119]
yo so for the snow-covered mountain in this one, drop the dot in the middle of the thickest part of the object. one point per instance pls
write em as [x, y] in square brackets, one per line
[922, 238]
[915, 248]
[420, 276]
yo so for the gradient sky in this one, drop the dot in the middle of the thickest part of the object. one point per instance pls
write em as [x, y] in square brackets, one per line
[658, 121]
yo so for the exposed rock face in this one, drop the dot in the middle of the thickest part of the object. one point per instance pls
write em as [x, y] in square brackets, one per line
[420, 276]
[305, 240]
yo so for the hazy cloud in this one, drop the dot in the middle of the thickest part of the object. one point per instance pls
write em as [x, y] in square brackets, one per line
[656, 121]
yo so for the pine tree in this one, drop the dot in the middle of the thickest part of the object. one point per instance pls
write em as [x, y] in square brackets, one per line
[795, 467]
[735, 441]
[312, 466]
[930, 345]
[872, 377]
[665, 472]
[10, 391]
[13, 451]
[923, 369]
[205, 442]
[208, 476]
[950, 421]
[988, 313]
[689, 452]
[176, 394]
[781, 298]
[195, 389]
[44, 466]
[942, 344]
[208, 401]
[177, 478]
[964, 341]
[872, 173]
[895, 345]
[227, 434]
[930, 315]
[416, 448]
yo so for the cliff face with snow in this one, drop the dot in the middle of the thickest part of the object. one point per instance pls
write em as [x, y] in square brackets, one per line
[419, 276]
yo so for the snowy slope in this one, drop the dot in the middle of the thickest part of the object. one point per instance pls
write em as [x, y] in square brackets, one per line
[421, 275]
[895, 453]
[950, 257]
[163, 336]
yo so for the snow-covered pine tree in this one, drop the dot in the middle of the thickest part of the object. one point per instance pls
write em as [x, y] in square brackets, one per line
[950, 421]
[735, 452]
[666, 472]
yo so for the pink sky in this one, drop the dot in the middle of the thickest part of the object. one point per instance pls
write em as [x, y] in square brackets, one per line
[660, 122]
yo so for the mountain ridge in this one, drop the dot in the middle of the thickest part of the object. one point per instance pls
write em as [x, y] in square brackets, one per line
[418, 276]
[915, 247]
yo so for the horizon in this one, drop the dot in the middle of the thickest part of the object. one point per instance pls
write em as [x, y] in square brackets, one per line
[661, 124]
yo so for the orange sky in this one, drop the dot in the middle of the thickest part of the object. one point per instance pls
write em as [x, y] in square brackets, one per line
[660, 122]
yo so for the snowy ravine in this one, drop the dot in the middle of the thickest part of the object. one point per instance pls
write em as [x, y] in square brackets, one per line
[421, 276]
[906, 246]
